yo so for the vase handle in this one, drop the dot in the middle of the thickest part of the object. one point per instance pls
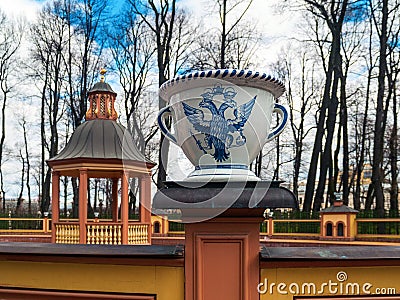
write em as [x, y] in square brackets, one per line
[165, 112]
[281, 110]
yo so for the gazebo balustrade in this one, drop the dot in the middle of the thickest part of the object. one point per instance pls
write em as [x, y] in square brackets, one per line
[102, 233]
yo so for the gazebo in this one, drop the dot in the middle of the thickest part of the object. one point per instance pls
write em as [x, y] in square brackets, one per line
[102, 148]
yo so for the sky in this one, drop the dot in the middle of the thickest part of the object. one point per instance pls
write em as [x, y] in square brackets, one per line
[17, 8]
[276, 26]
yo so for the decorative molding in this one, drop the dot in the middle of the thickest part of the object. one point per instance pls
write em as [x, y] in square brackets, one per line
[251, 78]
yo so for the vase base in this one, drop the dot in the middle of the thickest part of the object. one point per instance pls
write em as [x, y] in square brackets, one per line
[221, 175]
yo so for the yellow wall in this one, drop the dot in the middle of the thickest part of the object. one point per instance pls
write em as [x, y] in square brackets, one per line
[353, 225]
[335, 219]
[163, 223]
[166, 282]
[373, 279]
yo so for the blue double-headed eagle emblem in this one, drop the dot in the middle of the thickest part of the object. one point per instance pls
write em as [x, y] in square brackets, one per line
[221, 134]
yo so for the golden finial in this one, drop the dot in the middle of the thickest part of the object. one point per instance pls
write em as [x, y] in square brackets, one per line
[102, 72]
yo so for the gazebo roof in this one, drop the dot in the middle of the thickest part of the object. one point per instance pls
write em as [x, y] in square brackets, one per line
[101, 145]
[101, 139]
[101, 87]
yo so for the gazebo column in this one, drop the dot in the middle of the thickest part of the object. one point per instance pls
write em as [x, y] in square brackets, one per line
[114, 206]
[145, 199]
[124, 207]
[83, 179]
[55, 203]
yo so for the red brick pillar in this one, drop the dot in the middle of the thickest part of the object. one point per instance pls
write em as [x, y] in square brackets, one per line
[124, 208]
[55, 203]
[83, 180]
[145, 200]
[114, 205]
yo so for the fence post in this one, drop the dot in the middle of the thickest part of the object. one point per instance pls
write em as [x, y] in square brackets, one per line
[270, 226]
[9, 220]
[46, 222]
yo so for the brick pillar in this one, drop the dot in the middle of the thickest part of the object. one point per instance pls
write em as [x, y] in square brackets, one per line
[114, 206]
[222, 257]
[145, 200]
[55, 203]
[83, 179]
[124, 208]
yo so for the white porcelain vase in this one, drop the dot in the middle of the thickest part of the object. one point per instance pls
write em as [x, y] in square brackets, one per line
[221, 120]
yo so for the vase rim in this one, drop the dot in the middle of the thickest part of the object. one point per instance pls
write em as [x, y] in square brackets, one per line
[233, 76]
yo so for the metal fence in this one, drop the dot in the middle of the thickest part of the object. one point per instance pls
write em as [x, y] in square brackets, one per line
[383, 226]
[25, 224]
[176, 226]
[366, 227]
[296, 227]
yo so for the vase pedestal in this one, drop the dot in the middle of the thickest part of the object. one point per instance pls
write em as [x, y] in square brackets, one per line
[222, 256]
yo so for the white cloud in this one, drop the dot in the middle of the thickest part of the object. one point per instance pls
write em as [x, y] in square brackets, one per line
[276, 24]
[20, 8]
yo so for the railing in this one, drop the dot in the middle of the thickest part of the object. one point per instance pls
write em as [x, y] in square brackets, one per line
[175, 226]
[25, 225]
[103, 233]
[291, 227]
[383, 227]
[67, 233]
[106, 232]
[138, 234]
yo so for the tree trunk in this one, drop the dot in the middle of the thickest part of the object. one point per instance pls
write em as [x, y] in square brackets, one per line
[21, 191]
[2, 139]
[331, 119]
[223, 34]
[344, 120]
[28, 167]
[377, 176]
[393, 146]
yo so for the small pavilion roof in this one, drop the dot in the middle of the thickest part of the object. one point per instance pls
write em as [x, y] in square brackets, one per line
[101, 139]
[339, 209]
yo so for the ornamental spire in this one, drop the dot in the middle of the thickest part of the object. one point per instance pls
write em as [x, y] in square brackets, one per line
[101, 98]
[102, 73]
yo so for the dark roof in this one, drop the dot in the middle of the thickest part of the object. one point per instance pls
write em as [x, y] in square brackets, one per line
[101, 139]
[258, 194]
[101, 87]
[330, 253]
[165, 251]
[339, 209]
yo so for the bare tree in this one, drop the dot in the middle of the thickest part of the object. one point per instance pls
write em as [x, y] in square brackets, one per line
[168, 26]
[385, 19]
[132, 49]
[10, 40]
[49, 37]
[27, 161]
[361, 134]
[82, 55]
[232, 44]
[377, 176]
[82, 58]
[22, 182]
[302, 90]
[333, 14]
[392, 77]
